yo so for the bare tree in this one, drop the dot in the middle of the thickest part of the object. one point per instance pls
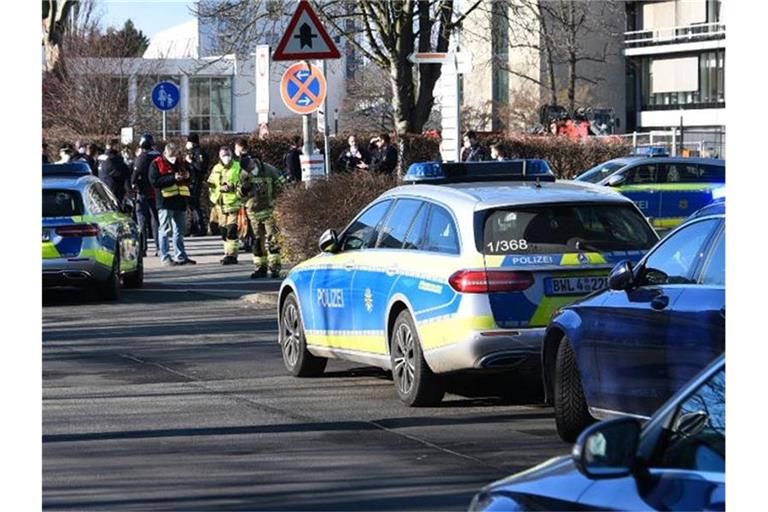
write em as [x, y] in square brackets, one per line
[55, 18]
[384, 33]
[367, 105]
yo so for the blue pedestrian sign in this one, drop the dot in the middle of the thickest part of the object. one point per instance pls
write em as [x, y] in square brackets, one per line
[303, 88]
[165, 96]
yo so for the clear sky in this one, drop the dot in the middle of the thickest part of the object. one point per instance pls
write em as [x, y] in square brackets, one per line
[149, 16]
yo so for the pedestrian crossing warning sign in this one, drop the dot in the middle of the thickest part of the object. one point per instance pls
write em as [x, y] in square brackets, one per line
[305, 38]
[303, 88]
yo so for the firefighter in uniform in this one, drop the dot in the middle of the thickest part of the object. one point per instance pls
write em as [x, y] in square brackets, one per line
[261, 188]
[225, 183]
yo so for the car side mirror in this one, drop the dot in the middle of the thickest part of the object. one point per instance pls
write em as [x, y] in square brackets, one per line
[329, 241]
[622, 276]
[608, 449]
[616, 180]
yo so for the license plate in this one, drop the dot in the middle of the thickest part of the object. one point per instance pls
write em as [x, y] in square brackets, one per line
[46, 235]
[574, 285]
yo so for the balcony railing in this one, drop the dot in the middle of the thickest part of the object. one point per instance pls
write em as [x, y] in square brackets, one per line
[671, 35]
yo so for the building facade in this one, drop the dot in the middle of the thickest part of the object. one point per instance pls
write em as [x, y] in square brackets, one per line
[521, 60]
[675, 51]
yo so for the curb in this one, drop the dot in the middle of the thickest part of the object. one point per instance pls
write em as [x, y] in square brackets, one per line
[261, 298]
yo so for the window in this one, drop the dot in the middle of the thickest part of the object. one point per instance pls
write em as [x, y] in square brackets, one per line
[690, 173]
[696, 439]
[415, 237]
[61, 203]
[210, 104]
[675, 260]
[392, 234]
[362, 232]
[695, 80]
[642, 174]
[557, 228]
[714, 274]
[100, 200]
[441, 233]
[600, 172]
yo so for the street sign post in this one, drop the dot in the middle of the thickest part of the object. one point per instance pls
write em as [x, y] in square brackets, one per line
[165, 97]
[305, 38]
[303, 88]
[453, 65]
[262, 83]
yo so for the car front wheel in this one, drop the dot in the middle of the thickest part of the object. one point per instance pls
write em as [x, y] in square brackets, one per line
[415, 383]
[296, 357]
[110, 289]
[571, 412]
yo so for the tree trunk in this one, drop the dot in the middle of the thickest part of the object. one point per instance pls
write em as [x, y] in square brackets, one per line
[572, 57]
[549, 51]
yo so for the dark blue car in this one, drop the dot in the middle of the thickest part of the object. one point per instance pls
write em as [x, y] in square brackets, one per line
[627, 349]
[676, 461]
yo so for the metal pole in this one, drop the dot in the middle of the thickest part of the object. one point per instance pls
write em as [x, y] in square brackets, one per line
[164, 114]
[307, 149]
[326, 146]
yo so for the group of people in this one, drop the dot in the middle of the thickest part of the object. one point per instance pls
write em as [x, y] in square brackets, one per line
[380, 157]
[166, 185]
[472, 151]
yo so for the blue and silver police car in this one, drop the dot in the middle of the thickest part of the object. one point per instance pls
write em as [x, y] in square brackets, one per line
[87, 240]
[666, 189]
[460, 269]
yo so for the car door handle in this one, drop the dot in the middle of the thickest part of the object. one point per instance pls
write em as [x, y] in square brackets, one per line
[722, 311]
[660, 302]
[392, 270]
[349, 266]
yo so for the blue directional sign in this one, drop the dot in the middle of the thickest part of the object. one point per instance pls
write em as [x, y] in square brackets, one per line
[166, 96]
[303, 88]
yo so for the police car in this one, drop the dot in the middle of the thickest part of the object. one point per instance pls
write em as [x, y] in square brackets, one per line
[87, 240]
[666, 189]
[460, 269]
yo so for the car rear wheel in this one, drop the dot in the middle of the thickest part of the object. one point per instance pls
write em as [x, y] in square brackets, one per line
[415, 383]
[136, 278]
[296, 357]
[110, 289]
[571, 413]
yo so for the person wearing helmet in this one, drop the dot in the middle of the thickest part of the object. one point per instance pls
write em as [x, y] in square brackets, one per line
[146, 208]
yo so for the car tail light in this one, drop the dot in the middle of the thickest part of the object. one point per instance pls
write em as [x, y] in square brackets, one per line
[485, 281]
[78, 230]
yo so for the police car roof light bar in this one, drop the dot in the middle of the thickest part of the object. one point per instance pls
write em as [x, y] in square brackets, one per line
[469, 172]
[68, 169]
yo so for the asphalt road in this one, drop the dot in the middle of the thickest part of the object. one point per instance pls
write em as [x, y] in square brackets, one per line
[176, 397]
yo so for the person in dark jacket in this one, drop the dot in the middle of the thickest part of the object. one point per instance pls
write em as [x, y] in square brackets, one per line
[472, 150]
[292, 160]
[146, 209]
[169, 176]
[113, 171]
[46, 159]
[353, 156]
[83, 156]
[383, 155]
[196, 163]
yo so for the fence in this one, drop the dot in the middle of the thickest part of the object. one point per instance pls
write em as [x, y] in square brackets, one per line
[706, 143]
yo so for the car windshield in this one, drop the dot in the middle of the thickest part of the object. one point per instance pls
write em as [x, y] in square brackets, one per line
[600, 172]
[62, 203]
[560, 228]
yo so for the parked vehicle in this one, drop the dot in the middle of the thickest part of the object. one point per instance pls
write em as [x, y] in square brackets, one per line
[676, 461]
[626, 350]
[666, 189]
[459, 270]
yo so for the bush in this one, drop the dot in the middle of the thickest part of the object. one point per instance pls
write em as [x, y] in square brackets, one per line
[303, 214]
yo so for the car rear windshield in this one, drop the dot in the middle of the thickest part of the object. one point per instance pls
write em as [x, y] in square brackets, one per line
[560, 228]
[62, 203]
[600, 172]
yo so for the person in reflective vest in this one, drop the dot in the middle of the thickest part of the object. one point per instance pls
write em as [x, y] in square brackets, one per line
[225, 189]
[169, 176]
[261, 190]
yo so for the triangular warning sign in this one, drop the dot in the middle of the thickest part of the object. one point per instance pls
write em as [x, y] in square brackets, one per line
[305, 38]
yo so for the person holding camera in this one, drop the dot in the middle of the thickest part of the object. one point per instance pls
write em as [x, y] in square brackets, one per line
[170, 177]
[225, 189]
